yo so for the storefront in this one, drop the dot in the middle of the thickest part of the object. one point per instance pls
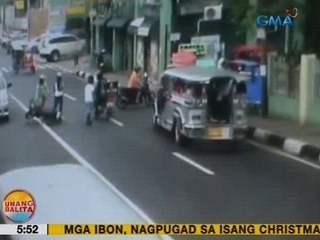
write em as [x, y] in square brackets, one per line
[122, 56]
[146, 29]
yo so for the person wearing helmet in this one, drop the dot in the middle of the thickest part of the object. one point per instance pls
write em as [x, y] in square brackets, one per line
[42, 91]
[99, 93]
[58, 95]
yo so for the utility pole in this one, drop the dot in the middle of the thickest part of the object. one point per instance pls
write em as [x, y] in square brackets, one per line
[28, 19]
[91, 32]
[263, 73]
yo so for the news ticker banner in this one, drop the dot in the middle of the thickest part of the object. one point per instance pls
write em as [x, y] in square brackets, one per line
[162, 229]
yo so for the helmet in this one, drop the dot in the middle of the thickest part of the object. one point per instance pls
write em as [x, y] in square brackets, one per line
[59, 74]
[42, 76]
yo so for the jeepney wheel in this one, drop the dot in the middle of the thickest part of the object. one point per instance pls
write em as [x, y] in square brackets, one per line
[55, 55]
[178, 136]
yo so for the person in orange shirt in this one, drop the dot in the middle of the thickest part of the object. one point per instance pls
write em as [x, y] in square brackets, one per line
[135, 81]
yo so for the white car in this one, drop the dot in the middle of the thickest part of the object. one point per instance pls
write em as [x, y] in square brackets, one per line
[4, 97]
[57, 46]
[70, 193]
[35, 44]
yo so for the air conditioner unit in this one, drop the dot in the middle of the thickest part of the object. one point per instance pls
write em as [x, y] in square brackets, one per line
[213, 12]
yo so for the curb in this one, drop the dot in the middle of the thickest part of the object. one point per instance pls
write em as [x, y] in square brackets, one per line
[289, 145]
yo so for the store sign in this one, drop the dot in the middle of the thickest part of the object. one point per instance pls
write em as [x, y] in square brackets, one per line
[197, 49]
[175, 37]
[81, 10]
[19, 4]
[143, 31]
[212, 41]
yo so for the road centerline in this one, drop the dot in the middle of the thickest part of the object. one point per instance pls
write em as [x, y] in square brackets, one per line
[70, 97]
[115, 121]
[193, 163]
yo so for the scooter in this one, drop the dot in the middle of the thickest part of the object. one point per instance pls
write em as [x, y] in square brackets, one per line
[36, 111]
[108, 106]
[127, 96]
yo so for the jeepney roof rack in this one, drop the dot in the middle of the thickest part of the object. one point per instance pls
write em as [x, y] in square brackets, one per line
[203, 74]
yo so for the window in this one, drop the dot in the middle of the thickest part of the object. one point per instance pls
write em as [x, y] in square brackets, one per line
[179, 86]
[70, 39]
[63, 40]
[56, 40]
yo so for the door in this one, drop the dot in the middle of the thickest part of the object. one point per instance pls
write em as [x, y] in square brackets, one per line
[166, 116]
[72, 45]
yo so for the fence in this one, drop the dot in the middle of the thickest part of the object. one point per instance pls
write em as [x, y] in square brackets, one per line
[294, 88]
[284, 76]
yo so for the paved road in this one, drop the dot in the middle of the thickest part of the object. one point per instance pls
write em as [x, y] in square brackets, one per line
[250, 186]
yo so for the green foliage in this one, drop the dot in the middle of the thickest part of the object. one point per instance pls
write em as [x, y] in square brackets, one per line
[245, 12]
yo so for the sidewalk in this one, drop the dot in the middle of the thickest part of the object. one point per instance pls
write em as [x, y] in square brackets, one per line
[286, 135]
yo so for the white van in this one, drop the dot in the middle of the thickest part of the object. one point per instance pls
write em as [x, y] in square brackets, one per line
[4, 97]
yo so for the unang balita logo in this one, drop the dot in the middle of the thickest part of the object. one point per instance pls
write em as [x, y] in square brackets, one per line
[19, 206]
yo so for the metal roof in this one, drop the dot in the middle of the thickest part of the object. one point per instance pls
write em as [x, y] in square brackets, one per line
[202, 74]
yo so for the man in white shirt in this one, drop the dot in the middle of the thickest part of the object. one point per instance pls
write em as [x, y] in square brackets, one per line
[89, 99]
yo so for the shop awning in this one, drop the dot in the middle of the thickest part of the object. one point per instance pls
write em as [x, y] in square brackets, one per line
[100, 21]
[145, 28]
[134, 25]
[118, 23]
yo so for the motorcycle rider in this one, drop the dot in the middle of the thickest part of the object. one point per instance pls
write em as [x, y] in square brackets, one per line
[99, 91]
[135, 81]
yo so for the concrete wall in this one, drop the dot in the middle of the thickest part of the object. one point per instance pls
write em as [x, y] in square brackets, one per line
[304, 108]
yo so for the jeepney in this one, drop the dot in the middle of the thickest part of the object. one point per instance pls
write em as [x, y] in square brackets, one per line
[202, 103]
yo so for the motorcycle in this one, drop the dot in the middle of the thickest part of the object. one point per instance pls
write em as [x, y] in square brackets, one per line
[36, 111]
[107, 106]
[127, 96]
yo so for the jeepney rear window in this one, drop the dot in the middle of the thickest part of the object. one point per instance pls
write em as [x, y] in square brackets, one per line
[241, 88]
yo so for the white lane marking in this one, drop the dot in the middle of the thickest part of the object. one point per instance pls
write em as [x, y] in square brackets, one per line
[115, 121]
[284, 154]
[192, 163]
[70, 97]
[87, 165]
[26, 109]
[6, 70]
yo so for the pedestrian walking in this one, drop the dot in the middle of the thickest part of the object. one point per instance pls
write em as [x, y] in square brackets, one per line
[89, 99]
[76, 59]
[58, 95]
[42, 91]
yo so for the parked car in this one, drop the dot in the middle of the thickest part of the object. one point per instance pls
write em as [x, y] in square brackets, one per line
[61, 45]
[4, 97]
[202, 103]
[35, 44]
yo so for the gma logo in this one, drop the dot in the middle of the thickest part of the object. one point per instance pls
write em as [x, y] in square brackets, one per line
[271, 21]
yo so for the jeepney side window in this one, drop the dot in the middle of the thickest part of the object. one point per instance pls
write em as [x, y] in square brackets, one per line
[179, 86]
[241, 88]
